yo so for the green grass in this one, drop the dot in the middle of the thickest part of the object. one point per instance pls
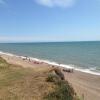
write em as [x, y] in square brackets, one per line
[63, 90]
[52, 78]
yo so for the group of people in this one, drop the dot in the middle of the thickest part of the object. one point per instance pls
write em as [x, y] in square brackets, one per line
[69, 70]
[29, 59]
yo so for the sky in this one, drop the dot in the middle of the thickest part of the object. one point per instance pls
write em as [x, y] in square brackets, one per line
[49, 20]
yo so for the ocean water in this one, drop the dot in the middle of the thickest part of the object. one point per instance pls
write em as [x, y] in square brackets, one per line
[83, 55]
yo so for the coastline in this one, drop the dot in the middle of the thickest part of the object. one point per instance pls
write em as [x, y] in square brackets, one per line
[85, 84]
[88, 71]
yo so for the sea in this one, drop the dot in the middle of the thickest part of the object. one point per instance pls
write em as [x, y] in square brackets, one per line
[83, 56]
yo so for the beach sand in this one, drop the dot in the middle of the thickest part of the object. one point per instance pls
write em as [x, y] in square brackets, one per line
[86, 85]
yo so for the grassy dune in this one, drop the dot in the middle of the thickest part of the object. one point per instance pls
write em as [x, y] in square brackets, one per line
[18, 83]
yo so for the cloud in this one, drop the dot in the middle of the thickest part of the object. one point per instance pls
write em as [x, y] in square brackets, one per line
[13, 38]
[56, 3]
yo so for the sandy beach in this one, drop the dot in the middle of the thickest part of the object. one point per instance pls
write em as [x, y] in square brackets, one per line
[86, 85]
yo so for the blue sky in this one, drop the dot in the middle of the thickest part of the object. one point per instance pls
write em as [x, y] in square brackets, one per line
[49, 20]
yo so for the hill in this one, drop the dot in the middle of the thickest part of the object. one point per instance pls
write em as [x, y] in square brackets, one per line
[19, 83]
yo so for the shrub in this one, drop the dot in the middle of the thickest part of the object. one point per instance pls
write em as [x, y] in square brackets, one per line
[52, 78]
[63, 90]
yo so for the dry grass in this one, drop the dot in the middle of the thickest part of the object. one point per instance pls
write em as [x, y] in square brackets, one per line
[18, 83]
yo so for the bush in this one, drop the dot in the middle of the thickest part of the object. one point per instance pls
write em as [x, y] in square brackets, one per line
[63, 90]
[52, 78]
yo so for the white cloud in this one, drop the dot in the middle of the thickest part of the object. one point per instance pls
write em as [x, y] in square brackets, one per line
[56, 3]
[15, 38]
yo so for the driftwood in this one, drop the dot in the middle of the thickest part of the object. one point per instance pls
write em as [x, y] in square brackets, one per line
[58, 72]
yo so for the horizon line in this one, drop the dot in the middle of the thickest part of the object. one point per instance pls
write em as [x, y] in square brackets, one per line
[50, 41]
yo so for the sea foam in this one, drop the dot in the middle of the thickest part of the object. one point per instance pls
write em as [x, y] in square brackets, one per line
[55, 64]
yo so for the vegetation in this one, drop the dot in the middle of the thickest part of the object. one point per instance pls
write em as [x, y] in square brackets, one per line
[63, 90]
[18, 83]
[52, 78]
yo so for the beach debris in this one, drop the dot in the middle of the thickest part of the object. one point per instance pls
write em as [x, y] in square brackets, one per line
[58, 72]
[69, 70]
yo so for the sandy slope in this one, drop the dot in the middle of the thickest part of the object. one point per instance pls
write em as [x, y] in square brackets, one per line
[85, 84]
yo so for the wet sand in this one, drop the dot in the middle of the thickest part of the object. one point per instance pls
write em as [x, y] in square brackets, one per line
[86, 85]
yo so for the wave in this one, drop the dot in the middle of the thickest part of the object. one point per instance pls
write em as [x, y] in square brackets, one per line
[89, 71]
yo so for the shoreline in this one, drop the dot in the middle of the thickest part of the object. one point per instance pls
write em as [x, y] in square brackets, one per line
[85, 84]
[87, 71]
